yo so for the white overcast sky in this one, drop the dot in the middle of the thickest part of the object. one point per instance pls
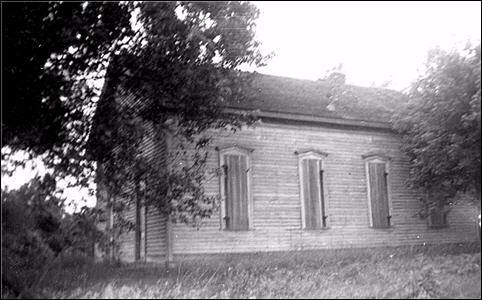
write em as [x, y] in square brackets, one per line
[374, 41]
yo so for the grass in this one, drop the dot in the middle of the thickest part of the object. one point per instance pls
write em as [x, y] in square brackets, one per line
[449, 271]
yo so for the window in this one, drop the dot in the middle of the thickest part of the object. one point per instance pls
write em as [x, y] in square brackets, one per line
[377, 167]
[312, 196]
[236, 206]
[437, 217]
[140, 230]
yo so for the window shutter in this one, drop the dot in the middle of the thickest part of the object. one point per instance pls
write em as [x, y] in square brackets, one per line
[323, 211]
[242, 220]
[138, 230]
[438, 218]
[379, 195]
[236, 193]
[226, 194]
[311, 193]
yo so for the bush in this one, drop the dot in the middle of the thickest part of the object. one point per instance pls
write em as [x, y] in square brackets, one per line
[37, 235]
[75, 260]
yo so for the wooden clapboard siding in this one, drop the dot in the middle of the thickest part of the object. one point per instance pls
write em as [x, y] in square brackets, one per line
[152, 244]
[127, 241]
[156, 231]
[277, 208]
[275, 187]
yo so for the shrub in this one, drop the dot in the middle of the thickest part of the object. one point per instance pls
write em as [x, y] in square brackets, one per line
[37, 235]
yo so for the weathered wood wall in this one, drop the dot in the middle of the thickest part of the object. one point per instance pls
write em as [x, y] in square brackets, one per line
[155, 235]
[153, 239]
[277, 208]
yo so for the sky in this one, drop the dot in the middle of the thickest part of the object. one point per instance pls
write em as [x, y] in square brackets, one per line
[376, 42]
[75, 196]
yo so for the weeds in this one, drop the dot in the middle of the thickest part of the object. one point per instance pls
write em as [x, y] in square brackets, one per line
[451, 271]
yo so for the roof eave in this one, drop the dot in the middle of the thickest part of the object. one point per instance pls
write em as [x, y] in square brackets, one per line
[271, 115]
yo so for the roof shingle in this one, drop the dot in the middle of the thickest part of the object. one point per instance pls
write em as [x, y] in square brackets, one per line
[321, 99]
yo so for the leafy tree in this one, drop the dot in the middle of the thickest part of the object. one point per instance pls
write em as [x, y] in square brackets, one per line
[36, 232]
[51, 53]
[181, 79]
[47, 46]
[441, 126]
[179, 60]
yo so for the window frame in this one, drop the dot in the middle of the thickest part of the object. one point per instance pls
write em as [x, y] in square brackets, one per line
[320, 157]
[140, 232]
[378, 158]
[443, 213]
[242, 151]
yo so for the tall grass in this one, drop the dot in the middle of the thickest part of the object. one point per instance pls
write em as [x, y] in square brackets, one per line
[451, 271]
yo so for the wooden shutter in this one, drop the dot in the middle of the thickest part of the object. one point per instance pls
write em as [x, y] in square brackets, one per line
[378, 195]
[143, 226]
[437, 217]
[137, 228]
[236, 192]
[140, 230]
[311, 193]
[323, 209]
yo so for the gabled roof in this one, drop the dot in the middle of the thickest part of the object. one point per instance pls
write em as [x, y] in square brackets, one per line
[320, 99]
[298, 100]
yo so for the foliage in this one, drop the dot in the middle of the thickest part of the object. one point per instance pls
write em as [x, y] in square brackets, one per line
[36, 230]
[441, 126]
[177, 60]
[178, 81]
[180, 60]
[70, 40]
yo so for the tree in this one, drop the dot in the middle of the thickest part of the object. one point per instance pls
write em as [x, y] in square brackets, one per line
[37, 231]
[51, 53]
[47, 48]
[185, 74]
[441, 126]
[182, 56]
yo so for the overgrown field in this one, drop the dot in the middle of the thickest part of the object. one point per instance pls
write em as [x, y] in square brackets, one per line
[450, 271]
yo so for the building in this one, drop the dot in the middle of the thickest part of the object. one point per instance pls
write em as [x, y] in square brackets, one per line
[323, 169]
